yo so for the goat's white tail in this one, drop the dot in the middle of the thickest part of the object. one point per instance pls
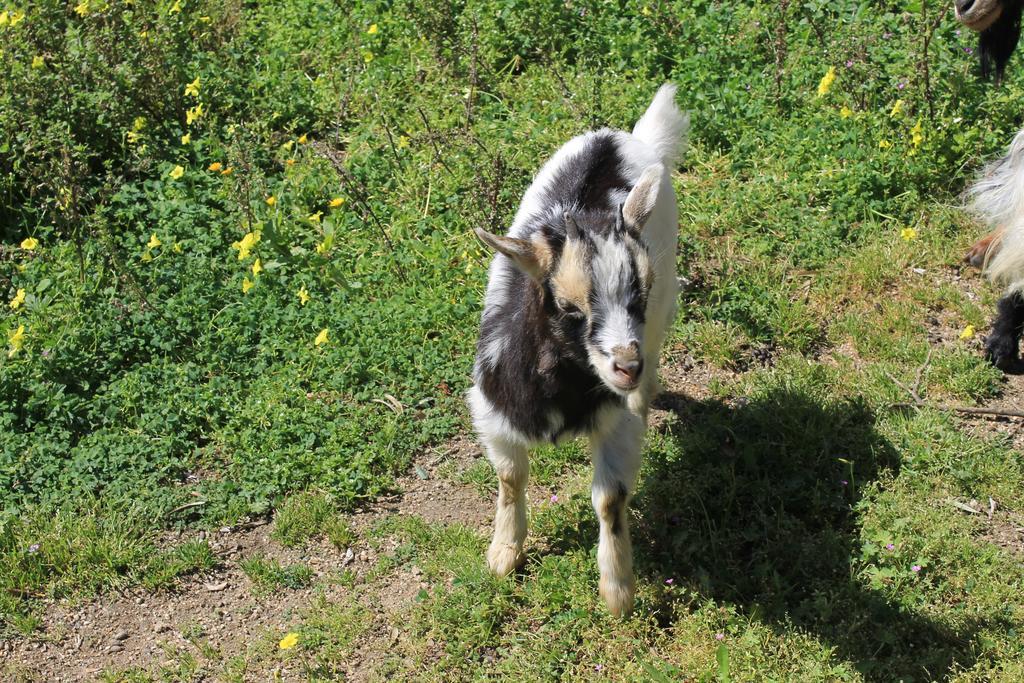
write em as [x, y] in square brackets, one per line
[663, 126]
[998, 198]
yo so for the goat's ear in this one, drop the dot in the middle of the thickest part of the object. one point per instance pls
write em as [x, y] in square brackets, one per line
[641, 200]
[528, 256]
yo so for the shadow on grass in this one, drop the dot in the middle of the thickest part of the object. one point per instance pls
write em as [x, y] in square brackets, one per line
[755, 505]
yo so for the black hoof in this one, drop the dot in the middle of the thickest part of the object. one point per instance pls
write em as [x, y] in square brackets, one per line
[1002, 351]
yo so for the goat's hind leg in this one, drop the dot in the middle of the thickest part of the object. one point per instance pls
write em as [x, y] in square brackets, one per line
[1003, 345]
[616, 455]
[513, 468]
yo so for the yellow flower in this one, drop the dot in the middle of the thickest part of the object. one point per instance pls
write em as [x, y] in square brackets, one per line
[215, 166]
[292, 639]
[246, 244]
[17, 340]
[153, 242]
[38, 61]
[290, 162]
[186, 138]
[139, 123]
[194, 114]
[322, 248]
[133, 137]
[315, 217]
[18, 300]
[143, 34]
[336, 202]
[227, 171]
[967, 333]
[82, 8]
[29, 243]
[303, 295]
[367, 56]
[176, 247]
[916, 136]
[884, 144]
[147, 256]
[845, 112]
[321, 338]
[908, 234]
[176, 7]
[302, 139]
[247, 284]
[193, 88]
[4, 18]
[826, 81]
[257, 267]
[403, 141]
[288, 145]
[177, 172]
[271, 200]
[896, 109]
[372, 30]
[16, 17]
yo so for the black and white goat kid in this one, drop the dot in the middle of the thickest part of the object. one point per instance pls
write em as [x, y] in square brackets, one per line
[997, 197]
[580, 296]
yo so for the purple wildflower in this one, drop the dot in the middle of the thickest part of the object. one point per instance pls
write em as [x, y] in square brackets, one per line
[719, 636]
[33, 549]
[598, 667]
[969, 50]
[901, 85]
[843, 482]
[889, 546]
[849, 63]
[669, 582]
[554, 497]
[916, 568]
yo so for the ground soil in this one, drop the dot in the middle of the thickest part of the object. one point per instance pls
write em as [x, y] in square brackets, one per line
[220, 609]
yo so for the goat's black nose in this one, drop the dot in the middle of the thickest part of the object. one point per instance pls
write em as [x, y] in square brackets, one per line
[963, 6]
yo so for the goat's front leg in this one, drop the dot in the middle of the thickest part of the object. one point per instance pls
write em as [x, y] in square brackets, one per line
[1003, 345]
[513, 468]
[616, 455]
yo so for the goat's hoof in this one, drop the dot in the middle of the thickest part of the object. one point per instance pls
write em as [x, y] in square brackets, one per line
[1002, 351]
[618, 595]
[976, 255]
[503, 558]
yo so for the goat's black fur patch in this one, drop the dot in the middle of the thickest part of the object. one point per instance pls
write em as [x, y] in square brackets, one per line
[543, 369]
[997, 43]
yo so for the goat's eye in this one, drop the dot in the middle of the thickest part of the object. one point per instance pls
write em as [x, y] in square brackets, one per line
[568, 308]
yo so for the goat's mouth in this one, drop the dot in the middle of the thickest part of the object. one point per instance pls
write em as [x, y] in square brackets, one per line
[978, 15]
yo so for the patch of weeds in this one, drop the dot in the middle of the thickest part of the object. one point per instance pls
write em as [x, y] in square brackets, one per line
[310, 515]
[189, 557]
[718, 343]
[964, 375]
[268, 575]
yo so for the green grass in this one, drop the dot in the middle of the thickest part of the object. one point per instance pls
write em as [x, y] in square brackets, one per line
[269, 575]
[148, 379]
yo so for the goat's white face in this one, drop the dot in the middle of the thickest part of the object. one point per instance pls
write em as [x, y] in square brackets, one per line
[978, 15]
[595, 275]
[599, 288]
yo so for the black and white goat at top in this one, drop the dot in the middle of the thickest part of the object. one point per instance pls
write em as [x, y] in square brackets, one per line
[580, 296]
[997, 197]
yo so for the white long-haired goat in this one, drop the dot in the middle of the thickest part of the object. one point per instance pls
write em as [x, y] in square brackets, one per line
[581, 294]
[997, 197]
